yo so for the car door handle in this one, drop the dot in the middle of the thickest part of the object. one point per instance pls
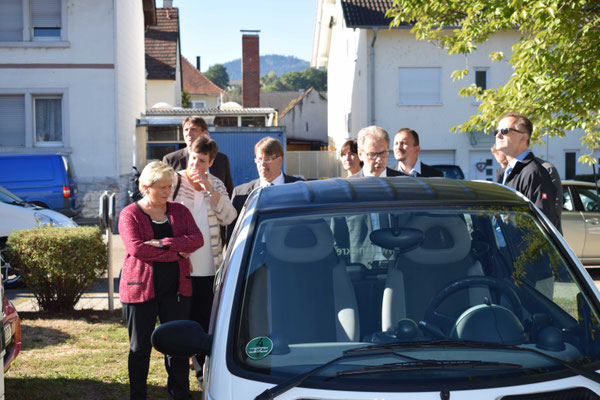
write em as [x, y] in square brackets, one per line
[593, 221]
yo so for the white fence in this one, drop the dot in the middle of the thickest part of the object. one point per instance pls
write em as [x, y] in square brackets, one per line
[314, 164]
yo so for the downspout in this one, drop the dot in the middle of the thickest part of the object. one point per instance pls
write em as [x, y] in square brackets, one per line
[372, 76]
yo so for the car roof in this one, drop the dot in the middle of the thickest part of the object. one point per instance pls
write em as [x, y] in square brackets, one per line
[579, 183]
[371, 191]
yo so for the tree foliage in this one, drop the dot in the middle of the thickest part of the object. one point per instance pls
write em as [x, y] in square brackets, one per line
[186, 100]
[218, 75]
[556, 61]
[317, 78]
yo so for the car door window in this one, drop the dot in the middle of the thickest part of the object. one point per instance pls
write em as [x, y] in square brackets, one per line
[589, 199]
[567, 201]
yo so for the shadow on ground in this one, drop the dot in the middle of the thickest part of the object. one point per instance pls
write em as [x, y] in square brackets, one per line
[28, 388]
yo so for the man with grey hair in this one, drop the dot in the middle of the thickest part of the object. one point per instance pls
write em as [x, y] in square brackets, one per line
[373, 151]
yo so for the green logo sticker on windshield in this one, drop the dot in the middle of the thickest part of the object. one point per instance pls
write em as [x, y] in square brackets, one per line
[259, 347]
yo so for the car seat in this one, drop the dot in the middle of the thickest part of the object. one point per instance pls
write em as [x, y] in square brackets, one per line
[443, 257]
[302, 292]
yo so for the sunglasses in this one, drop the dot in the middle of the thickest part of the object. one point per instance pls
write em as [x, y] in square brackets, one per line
[505, 131]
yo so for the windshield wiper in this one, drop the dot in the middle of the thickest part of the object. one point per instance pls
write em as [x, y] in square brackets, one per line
[451, 343]
[298, 379]
[427, 364]
[413, 363]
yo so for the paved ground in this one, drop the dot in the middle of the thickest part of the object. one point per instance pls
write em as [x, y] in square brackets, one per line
[96, 297]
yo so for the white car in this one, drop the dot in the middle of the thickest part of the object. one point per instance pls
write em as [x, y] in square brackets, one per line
[396, 288]
[15, 214]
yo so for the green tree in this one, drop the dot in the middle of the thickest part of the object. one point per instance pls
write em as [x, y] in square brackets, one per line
[186, 101]
[556, 61]
[272, 83]
[316, 78]
[218, 75]
[294, 81]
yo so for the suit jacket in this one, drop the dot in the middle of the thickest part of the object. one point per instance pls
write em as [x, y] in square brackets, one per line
[390, 172]
[531, 179]
[241, 193]
[220, 168]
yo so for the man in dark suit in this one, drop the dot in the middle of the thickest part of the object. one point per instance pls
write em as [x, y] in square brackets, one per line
[268, 156]
[193, 127]
[524, 172]
[406, 151]
[374, 150]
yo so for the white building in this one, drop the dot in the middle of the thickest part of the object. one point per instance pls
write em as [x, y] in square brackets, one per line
[378, 76]
[72, 81]
[305, 121]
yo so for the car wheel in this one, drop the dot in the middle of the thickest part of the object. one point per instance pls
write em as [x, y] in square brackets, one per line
[11, 276]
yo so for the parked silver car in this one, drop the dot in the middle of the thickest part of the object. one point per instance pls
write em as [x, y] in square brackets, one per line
[581, 220]
[16, 214]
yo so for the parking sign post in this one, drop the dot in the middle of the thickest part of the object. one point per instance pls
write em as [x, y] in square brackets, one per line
[107, 221]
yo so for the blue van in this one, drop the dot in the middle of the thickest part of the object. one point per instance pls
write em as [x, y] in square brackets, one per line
[43, 179]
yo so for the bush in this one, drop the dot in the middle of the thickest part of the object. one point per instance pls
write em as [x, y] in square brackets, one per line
[58, 264]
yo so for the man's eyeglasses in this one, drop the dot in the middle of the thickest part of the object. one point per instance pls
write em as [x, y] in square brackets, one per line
[374, 156]
[267, 160]
[505, 131]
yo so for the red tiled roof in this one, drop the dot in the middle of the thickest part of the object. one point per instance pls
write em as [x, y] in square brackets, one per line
[359, 13]
[195, 82]
[161, 44]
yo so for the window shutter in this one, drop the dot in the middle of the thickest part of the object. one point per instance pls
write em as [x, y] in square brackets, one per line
[45, 13]
[12, 120]
[11, 21]
[419, 86]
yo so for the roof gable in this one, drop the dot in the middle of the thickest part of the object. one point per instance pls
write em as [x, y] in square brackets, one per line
[195, 82]
[299, 100]
[161, 44]
[360, 13]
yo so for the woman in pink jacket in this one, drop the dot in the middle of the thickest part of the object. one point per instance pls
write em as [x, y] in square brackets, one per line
[155, 280]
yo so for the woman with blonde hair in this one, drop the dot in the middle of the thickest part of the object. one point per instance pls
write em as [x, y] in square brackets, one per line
[155, 281]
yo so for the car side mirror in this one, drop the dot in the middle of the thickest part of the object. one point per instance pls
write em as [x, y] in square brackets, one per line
[182, 338]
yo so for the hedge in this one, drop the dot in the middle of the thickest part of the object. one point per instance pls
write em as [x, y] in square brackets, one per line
[58, 264]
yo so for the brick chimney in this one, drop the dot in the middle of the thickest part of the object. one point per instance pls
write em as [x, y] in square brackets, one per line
[250, 69]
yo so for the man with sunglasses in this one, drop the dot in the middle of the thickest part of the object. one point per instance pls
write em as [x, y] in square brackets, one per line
[373, 151]
[524, 172]
[268, 157]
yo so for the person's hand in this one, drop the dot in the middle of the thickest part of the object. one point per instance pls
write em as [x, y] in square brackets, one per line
[154, 242]
[184, 255]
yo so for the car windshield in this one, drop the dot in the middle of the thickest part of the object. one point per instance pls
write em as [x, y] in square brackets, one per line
[319, 285]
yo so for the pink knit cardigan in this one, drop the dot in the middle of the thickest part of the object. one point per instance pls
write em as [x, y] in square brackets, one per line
[137, 283]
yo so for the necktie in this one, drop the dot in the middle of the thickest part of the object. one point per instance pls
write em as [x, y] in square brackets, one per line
[506, 174]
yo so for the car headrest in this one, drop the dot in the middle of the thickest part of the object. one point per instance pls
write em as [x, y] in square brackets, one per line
[305, 241]
[446, 240]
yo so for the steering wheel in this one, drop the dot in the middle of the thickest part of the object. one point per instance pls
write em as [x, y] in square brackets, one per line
[432, 318]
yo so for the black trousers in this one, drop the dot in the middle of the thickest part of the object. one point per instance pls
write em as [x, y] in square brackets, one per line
[141, 320]
[202, 299]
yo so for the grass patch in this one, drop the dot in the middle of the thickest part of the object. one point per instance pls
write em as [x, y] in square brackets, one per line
[79, 355]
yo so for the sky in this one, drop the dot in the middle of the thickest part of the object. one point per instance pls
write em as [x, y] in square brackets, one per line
[211, 29]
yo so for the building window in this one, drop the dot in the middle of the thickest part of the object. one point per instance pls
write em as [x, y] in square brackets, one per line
[44, 22]
[199, 104]
[45, 19]
[481, 78]
[570, 164]
[12, 120]
[48, 120]
[419, 86]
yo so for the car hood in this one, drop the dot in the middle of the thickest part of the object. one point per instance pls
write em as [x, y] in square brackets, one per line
[16, 217]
